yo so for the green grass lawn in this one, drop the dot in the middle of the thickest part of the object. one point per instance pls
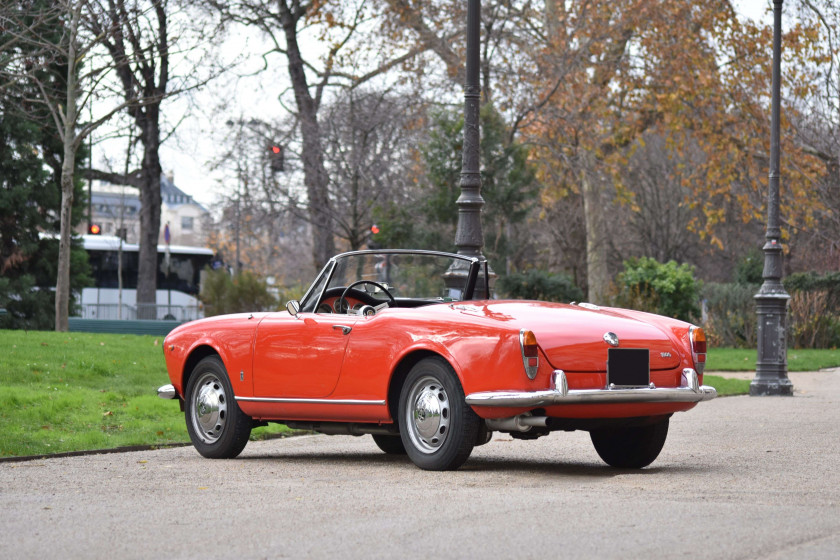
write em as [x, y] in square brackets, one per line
[727, 387]
[76, 391]
[743, 359]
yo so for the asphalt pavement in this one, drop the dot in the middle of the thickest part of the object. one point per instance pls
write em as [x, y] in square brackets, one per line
[740, 477]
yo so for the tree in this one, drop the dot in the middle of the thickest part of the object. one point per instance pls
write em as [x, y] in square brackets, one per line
[24, 69]
[138, 38]
[351, 57]
[816, 128]
[603, 77]
[261, 217]
[281, 21]
[509, 187]
[370, 143]
[30, 193]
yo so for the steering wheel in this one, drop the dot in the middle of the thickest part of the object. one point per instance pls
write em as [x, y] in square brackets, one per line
[343, 303]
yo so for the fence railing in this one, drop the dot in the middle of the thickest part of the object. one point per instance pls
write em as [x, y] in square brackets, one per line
[141, 311]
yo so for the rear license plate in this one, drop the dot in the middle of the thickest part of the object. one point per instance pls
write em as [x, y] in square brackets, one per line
[628, 367]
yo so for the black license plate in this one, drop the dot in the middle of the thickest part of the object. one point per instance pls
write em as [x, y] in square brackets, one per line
[628, 367]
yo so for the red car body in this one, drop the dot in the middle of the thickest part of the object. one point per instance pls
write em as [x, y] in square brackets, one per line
[347, 372]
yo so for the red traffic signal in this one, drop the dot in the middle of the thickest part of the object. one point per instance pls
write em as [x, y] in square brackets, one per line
[374, 229]
[275, 158]
[94, 229]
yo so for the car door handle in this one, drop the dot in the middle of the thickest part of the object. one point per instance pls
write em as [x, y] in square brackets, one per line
[344, 328]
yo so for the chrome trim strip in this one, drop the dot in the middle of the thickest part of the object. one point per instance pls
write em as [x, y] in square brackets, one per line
[167, 391]
[689, 391]
[310, 401]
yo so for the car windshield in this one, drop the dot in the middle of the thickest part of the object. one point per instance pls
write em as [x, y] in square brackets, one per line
[405, 275]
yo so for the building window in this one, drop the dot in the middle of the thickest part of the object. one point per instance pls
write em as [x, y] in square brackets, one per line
[186, 223]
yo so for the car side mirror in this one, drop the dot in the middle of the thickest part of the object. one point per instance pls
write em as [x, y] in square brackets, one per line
[293, 307]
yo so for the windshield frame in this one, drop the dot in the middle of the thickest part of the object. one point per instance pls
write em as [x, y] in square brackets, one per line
[474, 267]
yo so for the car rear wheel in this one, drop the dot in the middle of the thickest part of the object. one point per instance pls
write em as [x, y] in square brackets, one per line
[437, 427]
[392, 445]
[217, 427]
[630, 448]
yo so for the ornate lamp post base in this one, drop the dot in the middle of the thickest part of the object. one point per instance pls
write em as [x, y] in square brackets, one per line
[771, 388]
[771, 368]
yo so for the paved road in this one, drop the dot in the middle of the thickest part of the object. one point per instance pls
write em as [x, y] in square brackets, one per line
[739, 477]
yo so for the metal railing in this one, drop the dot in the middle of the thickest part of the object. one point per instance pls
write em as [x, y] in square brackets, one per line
[141, 311]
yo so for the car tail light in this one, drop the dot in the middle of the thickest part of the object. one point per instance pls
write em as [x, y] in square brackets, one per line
[698, 348]
[530, 352]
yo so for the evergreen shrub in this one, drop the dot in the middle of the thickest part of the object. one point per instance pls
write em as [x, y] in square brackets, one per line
[245, 292]
[668, 289]
[539, 285]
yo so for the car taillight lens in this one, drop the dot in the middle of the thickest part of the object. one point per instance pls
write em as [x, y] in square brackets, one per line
[530, 352]
[698, 348]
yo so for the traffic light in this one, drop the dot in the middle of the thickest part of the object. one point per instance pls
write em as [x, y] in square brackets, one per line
[372, 242]
[94, 229]
[275, 158]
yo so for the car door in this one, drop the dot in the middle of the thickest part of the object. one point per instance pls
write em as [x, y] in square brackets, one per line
[300, 357]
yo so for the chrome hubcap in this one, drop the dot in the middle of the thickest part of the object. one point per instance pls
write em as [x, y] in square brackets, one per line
[427, 416]
[209, 408]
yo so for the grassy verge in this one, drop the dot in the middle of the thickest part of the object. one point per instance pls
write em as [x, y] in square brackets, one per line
[727, 387]
[743, 359]
[74, 391]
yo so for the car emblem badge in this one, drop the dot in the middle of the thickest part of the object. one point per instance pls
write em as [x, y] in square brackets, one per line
[665, 354]
[611, 338]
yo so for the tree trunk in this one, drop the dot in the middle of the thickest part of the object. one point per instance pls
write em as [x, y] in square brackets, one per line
[150, 200]
[68, 166]
[314, 172]
[62, 287]
[597, 271]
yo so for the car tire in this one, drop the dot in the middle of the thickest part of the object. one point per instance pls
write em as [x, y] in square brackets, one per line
[392, 445]
[437, 427]
[632, 447]
[218, 428]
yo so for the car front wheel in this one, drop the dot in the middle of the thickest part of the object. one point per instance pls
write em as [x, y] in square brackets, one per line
[437, 427]
[632, 447]
[217, 427]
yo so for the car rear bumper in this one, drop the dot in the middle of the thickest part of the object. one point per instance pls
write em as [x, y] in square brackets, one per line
[689, 391]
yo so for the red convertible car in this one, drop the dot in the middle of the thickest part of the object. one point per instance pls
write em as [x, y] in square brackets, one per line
[408, 346]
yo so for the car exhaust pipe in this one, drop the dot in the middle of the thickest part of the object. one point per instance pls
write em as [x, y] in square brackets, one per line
[520, 423]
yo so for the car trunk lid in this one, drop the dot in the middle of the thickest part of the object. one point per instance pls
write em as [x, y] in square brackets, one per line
[572, 337]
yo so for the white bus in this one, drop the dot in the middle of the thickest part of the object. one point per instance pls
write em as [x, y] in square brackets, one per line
[179, 281]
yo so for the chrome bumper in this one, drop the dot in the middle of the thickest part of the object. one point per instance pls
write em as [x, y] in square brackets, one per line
[689, 391]
[167, 392]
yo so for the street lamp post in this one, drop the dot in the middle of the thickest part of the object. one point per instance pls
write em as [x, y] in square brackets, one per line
[468, 236]
[771, 300]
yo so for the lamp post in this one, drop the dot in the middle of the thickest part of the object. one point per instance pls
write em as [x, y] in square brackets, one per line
[771, 300]
[468, 235]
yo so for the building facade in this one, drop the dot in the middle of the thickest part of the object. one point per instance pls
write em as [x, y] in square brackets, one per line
[116, 210]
